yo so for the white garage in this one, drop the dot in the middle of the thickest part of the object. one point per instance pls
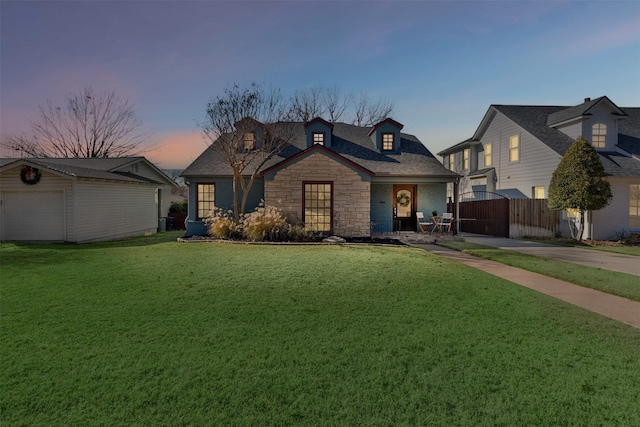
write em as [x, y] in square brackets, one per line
[81, 200]
[34, 215]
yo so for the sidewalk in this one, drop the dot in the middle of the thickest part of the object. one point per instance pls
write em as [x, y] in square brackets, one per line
[611, 306]
[592, 258]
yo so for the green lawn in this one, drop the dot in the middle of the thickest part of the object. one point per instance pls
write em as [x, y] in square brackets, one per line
[155, 332]
[625, 250]
[612, 282]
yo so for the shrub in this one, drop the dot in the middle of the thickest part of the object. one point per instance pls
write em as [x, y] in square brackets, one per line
[178, 207]
[265, 223]
[222, 226]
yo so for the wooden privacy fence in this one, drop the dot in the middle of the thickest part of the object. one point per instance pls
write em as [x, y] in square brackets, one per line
[508, 217]
[533, 218]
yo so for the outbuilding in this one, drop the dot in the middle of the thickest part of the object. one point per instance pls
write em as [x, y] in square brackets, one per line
[81, 200]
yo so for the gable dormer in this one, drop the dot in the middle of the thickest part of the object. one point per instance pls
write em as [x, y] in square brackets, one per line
[249, 133]
[318, 131]
[595, 120]
[386, 136]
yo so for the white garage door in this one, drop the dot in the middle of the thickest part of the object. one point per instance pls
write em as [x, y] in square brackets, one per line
[34, 215]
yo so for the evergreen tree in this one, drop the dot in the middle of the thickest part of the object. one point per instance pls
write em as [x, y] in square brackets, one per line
[579, 182]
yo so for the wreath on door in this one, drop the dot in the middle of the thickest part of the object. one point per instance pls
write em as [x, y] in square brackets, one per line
[29, 175]
[404, 200]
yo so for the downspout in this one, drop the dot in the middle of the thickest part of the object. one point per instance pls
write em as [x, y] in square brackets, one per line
[457, 204]
[189, 198]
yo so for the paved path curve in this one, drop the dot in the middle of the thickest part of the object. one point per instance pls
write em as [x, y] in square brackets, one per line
[611, 306]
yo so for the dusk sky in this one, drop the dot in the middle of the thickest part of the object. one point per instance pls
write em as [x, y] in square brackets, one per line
[443, 63]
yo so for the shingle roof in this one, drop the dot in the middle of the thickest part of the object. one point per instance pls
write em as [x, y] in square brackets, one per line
[93, 168]
[349, 141]
[578, 111]
[534, 120]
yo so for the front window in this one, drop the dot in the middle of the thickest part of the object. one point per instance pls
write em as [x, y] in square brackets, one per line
[599, 135]
[488, 151]
[538, 192]
[249, 141]
[318, 199]
[514, 148]
[205, 199]
[465, 159]
[388, 142]
[634, 206]
[318, 138]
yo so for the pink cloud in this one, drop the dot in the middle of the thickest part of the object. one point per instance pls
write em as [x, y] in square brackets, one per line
[176, 150]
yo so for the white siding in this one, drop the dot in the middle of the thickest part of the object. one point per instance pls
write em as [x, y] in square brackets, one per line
[615, 217]
[145, 170]
[113, 210]
[535, 166]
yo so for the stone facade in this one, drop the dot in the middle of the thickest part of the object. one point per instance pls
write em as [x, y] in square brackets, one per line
[351, 195]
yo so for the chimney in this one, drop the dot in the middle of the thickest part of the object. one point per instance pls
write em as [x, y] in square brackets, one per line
[587, 99]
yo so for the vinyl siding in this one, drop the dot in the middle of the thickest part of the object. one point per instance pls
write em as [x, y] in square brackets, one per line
[112, 210]
[536, 164]
[615, 217]
[143, 169]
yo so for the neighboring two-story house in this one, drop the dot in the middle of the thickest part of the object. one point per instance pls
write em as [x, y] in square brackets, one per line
[334, 177]
[516, 149]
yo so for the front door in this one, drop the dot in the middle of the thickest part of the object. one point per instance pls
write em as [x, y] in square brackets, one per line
[404, 208]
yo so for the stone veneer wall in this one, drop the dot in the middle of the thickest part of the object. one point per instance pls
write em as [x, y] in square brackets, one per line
[351, 195]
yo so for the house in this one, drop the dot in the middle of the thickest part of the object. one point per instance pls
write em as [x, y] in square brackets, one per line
[334, 177]
[516, 149]
[81, 199]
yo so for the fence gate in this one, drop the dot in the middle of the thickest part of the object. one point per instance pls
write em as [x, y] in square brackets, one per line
[483, 213]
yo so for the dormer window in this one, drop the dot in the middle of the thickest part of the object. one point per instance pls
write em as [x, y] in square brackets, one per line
[318, 132]
[249, 141]
[599, 135]
[388, 141]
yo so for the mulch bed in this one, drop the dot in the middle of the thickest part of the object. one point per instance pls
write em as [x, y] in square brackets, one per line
[350, 240]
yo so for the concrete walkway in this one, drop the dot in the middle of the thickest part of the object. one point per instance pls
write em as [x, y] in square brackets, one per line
[611, 306]
[593, 258]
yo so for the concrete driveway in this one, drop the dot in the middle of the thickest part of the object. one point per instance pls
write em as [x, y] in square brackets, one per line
[589, 257]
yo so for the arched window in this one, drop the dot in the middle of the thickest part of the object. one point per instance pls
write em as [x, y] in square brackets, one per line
[599, 135]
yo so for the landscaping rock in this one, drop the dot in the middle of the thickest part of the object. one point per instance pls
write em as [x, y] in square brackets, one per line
[334, 240]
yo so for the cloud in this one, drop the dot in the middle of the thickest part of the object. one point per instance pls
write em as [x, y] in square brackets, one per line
[176, 150]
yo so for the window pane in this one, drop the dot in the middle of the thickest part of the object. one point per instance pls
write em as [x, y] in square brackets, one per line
[514, 148]
[387, 141]
[487, 155]
[317, 209]
[634, 206]
[205, 199]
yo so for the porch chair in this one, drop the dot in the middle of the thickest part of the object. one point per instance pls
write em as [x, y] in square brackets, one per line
[444, 222]
[423, 223]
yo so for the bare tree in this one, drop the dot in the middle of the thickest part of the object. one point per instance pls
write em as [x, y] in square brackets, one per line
[247, 127]
[336, 103]
[90, 124]
[307, 104]
[367, 113]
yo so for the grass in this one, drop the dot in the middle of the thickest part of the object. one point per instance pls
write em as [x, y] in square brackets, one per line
[612, 282]
[154, 332]
[602, 246]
